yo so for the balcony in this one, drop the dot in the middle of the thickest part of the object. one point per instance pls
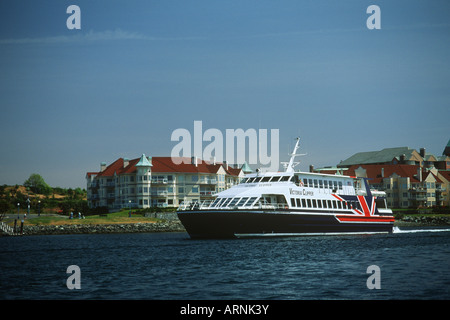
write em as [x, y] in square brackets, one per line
[94, 184]
[159, 194]
[207, 181]
[159, 181]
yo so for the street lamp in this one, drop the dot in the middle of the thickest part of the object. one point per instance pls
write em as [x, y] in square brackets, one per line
[28, 209]
[18, 210]
[129, 214]
[39, 208]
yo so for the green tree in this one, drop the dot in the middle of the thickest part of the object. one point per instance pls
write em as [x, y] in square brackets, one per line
[5, 206]
[37, 184]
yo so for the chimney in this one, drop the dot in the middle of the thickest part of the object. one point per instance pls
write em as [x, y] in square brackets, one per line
[402, 159]
[382, 172]
[419, 174]
[311, 168]
[225, 164]
[213, 161]
[102, 166]
[422, 152]
[126, 162]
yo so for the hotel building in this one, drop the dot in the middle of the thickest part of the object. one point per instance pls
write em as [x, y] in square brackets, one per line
[158, 182]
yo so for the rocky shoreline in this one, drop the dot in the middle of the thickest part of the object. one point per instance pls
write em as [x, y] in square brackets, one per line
[167, 226]
[422, 221]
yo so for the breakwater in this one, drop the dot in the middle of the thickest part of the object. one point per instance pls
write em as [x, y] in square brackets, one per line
[422, 221]
[167, 226]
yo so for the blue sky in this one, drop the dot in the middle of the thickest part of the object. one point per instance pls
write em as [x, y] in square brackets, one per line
[138, 70]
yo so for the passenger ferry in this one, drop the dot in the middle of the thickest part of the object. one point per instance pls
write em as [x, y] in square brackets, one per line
[289, 204]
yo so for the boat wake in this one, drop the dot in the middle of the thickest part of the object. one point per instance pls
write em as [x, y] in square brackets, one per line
[398, 230]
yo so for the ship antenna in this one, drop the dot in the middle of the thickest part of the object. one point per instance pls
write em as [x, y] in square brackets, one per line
[290, 166]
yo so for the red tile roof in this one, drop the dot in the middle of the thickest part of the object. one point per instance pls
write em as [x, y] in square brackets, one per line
[165, 165]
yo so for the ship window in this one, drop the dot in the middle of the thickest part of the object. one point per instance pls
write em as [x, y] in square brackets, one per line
[222, 201]
[340, 185]
[298, 202]
[335, 184]
[257, 179]
[242, 201]
[292, 202]
[225, 203]
[233, 202]
[265, 179]
[315, 183]
[319, 203]
[320, 183]
[329, 204]
[314, 203]
[275, 179]
[304, 203]
[310, 183]
[250, 202]
[334, 204]
[339, 204]
[285, 178]
[215, 202]
[305, 182]
[325, 184]
[324, 203]
[309, 203]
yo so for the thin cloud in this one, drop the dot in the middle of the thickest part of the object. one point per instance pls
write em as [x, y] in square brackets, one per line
[92, 36]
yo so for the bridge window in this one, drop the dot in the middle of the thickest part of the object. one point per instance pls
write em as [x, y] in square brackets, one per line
[242, 201]
[250, 202]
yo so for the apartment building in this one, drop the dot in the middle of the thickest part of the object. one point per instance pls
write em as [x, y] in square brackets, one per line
[157, 182]
[409, 178]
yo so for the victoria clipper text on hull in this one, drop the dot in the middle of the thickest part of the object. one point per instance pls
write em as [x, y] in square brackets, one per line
[289, 204]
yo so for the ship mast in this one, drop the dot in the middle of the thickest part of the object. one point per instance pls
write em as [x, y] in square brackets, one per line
[290, 166]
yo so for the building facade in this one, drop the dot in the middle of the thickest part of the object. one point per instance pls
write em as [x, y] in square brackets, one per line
[409, 178]
[158, 182]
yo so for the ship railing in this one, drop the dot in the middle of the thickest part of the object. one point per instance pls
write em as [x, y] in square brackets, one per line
[195, 205]
[207, 204]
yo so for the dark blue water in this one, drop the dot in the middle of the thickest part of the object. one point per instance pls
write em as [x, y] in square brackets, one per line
[413, 265]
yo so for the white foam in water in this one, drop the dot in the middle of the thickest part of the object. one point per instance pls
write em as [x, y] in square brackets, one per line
[398, 230]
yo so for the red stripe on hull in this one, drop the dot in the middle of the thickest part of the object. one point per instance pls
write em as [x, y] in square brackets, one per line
[365, 219]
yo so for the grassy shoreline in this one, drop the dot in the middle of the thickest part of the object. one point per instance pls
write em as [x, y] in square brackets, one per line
[121, 217]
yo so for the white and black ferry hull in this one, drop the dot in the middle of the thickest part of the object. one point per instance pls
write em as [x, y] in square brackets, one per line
[204, 224]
